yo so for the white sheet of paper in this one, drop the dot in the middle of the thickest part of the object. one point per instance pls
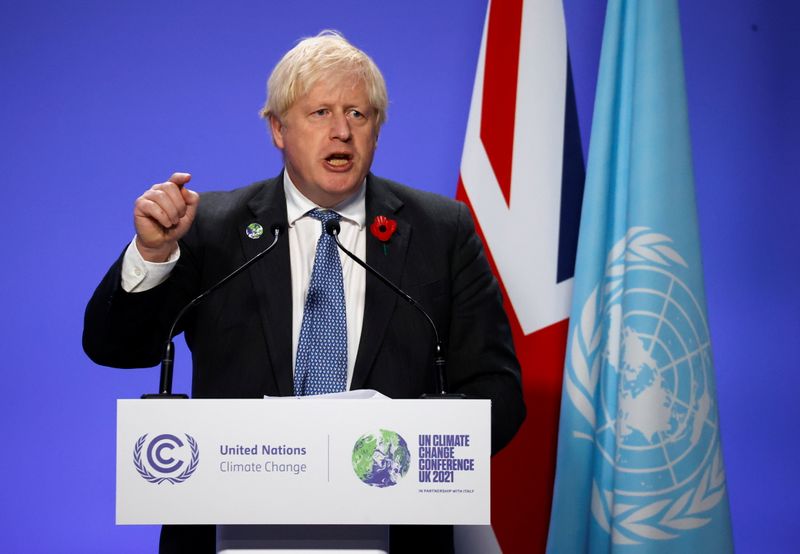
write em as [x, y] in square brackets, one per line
[359, 394]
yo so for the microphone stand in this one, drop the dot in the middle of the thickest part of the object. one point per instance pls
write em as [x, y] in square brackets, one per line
[439, 363]
[167, 362]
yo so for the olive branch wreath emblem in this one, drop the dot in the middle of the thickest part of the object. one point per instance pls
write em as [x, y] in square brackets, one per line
[659, 519]
[185, 474]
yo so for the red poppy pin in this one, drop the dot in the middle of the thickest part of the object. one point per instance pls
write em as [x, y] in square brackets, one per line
[383, 228]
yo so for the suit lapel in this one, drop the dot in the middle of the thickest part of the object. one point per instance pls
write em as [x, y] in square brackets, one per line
[271, 279]
[380, 301]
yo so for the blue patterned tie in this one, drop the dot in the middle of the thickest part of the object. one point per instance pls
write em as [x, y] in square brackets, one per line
[321, 364]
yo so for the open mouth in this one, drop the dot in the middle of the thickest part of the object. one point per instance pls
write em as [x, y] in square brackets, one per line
[338, 159]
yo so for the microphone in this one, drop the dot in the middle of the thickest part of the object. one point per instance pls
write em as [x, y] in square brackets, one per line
[332, 227]
[167, 362]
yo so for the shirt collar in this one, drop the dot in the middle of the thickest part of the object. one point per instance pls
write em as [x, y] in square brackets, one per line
[352, 209]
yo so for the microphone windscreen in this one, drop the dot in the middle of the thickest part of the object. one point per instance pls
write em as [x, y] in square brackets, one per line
[332, 227]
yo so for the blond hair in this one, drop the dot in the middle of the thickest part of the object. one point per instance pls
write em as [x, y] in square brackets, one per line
[314, 58]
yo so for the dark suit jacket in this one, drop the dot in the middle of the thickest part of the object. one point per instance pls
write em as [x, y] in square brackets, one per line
[240, 336]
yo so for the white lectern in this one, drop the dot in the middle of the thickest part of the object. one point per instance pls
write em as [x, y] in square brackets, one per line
[345, 467]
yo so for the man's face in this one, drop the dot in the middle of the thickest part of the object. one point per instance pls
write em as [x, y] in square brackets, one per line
[328, 138]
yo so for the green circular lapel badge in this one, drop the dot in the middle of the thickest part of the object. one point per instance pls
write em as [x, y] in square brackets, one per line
[254, 231]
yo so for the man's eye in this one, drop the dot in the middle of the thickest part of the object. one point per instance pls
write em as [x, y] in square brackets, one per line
[320, 112]
[356, 114]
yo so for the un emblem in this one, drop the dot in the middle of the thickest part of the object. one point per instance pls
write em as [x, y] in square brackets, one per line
[640, 373]
[167, 458]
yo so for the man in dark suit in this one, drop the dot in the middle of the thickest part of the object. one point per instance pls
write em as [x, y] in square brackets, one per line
[325, 107]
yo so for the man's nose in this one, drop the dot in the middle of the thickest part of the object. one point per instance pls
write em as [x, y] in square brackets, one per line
[340, 127]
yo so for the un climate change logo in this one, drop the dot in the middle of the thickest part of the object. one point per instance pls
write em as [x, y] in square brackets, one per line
[167, 456]
[381, 459]
[652, 414]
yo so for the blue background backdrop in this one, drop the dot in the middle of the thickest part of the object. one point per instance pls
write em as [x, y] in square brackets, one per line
[101, 99]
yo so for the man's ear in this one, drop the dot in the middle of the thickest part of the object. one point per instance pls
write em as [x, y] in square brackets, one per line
[276, 128]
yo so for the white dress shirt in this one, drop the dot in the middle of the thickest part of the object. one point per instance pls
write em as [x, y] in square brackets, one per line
[139, 275]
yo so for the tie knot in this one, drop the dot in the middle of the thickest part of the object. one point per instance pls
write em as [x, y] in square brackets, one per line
[324, 216]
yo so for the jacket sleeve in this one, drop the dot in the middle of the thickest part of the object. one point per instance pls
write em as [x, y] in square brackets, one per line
[129, 330]
[482, 362]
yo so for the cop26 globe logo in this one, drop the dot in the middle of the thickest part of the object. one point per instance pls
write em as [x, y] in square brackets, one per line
[640, 373]
[166, 458]
[381, 459]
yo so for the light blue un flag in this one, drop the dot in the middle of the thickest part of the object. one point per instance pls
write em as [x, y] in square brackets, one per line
[639, 461]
